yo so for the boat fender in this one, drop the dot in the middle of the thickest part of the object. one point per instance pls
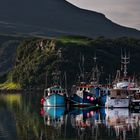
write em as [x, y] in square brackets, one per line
[42, 101]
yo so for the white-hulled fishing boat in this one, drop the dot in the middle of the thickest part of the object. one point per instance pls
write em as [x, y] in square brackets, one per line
[123, 88]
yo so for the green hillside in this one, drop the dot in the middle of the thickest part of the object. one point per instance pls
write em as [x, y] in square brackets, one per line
[36, 58]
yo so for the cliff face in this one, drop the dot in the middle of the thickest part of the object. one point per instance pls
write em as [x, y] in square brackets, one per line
[56, 17]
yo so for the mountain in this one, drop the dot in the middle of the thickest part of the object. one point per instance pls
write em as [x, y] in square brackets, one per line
[55, 18]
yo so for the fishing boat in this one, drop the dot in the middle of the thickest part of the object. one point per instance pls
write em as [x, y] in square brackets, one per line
[123, 87]
[82, 118]
[54, 96]
[87, 93]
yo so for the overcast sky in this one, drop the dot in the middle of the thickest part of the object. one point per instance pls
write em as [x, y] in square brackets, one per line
[123, 12]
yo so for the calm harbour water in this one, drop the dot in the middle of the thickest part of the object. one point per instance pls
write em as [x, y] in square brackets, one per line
[23, 118]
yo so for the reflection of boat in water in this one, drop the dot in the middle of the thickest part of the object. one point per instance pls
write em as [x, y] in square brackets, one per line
[53, 116]
[93, 124]
[123, 87]
[105, 124]
[123, 122]
[86, 117]
[85, 121]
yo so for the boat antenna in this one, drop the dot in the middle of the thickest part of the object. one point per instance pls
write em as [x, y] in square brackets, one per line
[125, 60]
[95, 71]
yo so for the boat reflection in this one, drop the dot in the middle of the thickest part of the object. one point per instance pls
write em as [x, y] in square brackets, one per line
[88, 123]
[86, 117]
[123, 123]
[53, 116]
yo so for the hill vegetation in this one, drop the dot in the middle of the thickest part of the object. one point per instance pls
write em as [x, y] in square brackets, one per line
[38, 58]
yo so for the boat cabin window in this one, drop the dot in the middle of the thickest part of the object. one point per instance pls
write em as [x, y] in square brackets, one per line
[84, 88]
[59, 91]
[80, 89]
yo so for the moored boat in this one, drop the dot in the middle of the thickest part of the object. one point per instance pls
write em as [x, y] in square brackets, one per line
[54, 96]
[123, 87]
[85, 95]
[87, 92]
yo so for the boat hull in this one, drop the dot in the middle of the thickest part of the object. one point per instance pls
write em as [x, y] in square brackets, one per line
[54, 100]
[117, 103]
[78, 101]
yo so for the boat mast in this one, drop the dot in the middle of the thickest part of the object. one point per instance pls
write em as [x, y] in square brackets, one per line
[95, 71]
[81, 67]
[125, 60]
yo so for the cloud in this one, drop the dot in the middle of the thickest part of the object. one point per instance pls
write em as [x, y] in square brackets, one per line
[124, 12]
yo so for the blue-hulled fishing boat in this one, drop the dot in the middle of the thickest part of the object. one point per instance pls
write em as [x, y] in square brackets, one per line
[87, 92]
[85, 95]
[54, 96]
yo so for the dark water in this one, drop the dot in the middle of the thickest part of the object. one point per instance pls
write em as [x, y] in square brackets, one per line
[22, 118]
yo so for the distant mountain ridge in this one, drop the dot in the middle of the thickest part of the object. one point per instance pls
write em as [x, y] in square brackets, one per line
[55, 18]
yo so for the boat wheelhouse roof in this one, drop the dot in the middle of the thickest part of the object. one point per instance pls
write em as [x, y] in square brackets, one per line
[55, 88]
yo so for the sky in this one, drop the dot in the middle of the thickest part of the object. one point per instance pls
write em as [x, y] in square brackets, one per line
[123, 12]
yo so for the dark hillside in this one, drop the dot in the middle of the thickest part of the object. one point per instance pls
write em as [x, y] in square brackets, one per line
[56, 17]
[37, 57]
[8, 46]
